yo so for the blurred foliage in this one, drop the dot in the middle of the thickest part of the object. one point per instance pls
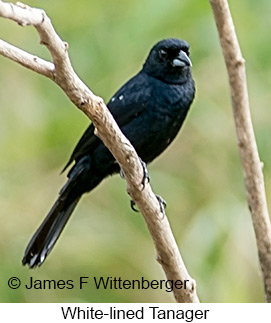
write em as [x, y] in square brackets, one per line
[199, 175]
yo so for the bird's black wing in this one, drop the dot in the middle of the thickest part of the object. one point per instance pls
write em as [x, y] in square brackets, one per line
[131, 99]
[128, 102]
[86, 143]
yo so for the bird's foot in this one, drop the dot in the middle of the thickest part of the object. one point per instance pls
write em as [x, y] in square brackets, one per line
[146, 176]
[162, 204]
[121, 174]
[161, 201]
[133, 204]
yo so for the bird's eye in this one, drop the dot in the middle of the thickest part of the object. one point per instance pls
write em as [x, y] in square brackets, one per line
[162, 54]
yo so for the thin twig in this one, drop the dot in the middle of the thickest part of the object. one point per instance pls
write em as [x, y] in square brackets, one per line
[251, 163]
[62, 73]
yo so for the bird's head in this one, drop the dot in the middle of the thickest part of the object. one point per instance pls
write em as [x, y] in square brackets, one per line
[169, 61]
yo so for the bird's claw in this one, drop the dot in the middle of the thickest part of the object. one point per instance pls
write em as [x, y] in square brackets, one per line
[161, 201]
[146, 176]
[162, 204]
[121, 174]
[133, 204]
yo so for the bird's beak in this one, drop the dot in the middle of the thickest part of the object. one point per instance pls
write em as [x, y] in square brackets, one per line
[182, 60]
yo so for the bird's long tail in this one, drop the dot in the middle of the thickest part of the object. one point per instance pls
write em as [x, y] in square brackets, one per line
[49, 231]
[80, 181]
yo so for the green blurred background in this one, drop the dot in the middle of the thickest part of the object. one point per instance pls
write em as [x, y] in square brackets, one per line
[199, 176]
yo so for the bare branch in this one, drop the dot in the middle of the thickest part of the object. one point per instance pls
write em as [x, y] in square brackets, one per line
[106, 128]
[27, 60]
[253, 175]
[18, 13]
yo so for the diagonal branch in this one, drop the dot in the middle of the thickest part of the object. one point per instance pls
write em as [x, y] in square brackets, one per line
[62, 73]
[251, 163]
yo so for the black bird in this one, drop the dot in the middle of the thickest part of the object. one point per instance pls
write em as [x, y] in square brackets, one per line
[150, 109]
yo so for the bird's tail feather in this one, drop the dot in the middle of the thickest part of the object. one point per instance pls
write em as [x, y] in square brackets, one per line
[49, 231]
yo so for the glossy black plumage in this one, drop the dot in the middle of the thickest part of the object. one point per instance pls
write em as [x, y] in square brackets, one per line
[150, 109]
